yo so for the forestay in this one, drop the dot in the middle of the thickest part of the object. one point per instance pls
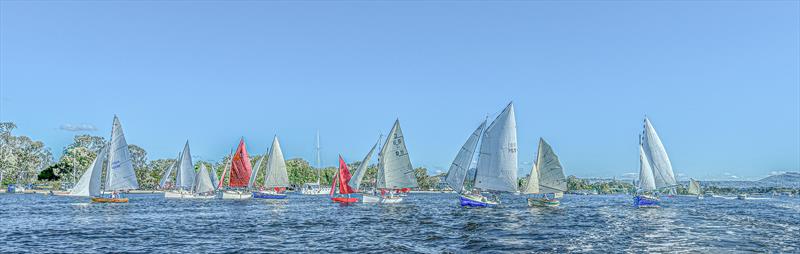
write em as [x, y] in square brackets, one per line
[121, 175]
[394, 169]
[497, 161]
[458, 170]
[276, 167]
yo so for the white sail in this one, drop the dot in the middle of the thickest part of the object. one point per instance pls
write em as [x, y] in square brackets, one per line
[254, 172]
[214, 179]
[203, 181]
[394, 165]
[165, 178]
[185, 177]
[458, 170]
[89, 184]
[532, 185]
[121, 175]
[646, 181]
[358, 175]
[276, 167]
[657, 156]
[551, 173]
[497, 162]
[694, 187]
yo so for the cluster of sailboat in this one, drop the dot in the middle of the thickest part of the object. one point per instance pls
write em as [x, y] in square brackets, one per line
[484, 167]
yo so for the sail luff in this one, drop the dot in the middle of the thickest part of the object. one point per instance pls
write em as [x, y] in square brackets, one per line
[121, 173]
[551, 173]
[355, 181]
[276, 175]
[458, 169]
[497, 163]
[395, 164]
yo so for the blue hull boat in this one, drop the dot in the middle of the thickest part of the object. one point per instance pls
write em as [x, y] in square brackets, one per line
[264, 195]
[470, 202]
[644, 201]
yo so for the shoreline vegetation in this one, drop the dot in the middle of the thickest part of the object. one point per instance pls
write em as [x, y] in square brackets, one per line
[29, 162]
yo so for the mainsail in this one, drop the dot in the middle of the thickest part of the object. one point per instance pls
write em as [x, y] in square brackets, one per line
[355, 181]
[551, 173]
[276, 175]
[202, 181]
[342, 178]
[394, 166]
[185, 176]
[89, 184]
[121, 175]
[458, 170]
[165, 178]
[240, 167]
[657, 157]
[694, 187]
[213, 175]
[254, 173]
[497, 162]
[646, 181]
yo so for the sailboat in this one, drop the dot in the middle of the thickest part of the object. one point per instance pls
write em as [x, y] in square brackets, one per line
[694, 188]
[166, 180]
[655, 169]
[358, 176]
[238, 173]
[120, 175]
[395, 172]
[342, 193]
[546, 178]
[184, 176]
[276, 179]
[316, 188]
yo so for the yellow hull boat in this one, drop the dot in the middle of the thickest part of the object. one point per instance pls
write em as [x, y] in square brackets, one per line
[110, 200]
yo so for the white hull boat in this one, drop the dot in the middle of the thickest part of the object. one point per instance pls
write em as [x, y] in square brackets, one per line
[235, 195]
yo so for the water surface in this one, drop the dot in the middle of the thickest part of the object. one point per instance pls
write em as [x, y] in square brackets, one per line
[426, 223]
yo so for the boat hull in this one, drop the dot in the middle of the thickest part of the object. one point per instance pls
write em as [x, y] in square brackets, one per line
[370, 199]
[645, 201]
[470, 201]
[344, 200]
[320, 191]
[235, 195]
[268, 195]
[109, 200]
[543, 202]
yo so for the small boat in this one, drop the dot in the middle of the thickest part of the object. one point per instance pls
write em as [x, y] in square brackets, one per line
[694, 188]
[496, 168]
[316, 188]
[394, 167]
[343, 193]
[238, 175]
[120, 175]
[546, 177]
[276, 179]
[655, 169]
[184, 176]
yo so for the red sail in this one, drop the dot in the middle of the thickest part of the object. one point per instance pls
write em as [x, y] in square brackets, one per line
[344, 178]
[240, 167]
[333, 183]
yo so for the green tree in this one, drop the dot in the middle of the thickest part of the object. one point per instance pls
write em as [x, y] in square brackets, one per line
[21, 158]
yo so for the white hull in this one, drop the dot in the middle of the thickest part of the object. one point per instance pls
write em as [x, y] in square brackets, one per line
[391, 200]
[185, 195]
[370, 199]
[321, 191]
[235, 195]
[383, 200]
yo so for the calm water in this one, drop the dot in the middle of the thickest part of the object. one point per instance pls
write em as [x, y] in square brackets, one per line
[425, 223]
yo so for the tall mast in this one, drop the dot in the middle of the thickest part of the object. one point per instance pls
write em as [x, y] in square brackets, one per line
[319, 161]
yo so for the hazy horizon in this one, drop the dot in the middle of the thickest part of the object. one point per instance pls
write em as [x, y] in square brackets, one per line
[719, 80]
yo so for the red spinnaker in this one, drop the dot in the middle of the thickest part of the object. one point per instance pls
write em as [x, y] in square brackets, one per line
[344, 178]
[240, 167]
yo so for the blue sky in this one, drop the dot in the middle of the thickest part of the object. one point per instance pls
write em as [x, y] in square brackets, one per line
[719, 80]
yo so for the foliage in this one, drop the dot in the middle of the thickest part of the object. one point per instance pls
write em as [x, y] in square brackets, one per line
[49, 174]
[21, 158]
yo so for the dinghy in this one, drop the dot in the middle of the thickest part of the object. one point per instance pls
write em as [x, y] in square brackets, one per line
[546, 179]
[276, 179]
[394, 167]
[459, 170]
[655, 169]
[694, 188]
[355, 181]
[184, 176]
[120, 175]
[238, 175]
[342, 194]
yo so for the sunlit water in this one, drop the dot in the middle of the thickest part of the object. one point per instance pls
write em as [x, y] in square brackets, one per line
[424, 223]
